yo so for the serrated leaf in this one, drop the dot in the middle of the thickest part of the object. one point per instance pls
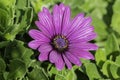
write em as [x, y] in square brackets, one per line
[71, 75]
[117, 60]
[7, 3]
[37, 74]
[3, 19]
[115, 71]
[111, 44]
[17, 70]
[105, 68]
[100, 57]
[92, 71]
[22, 22]
[116, 16]
[24, 4]
[18, 51]
[100, 28]
[110, 68]
[66, 75]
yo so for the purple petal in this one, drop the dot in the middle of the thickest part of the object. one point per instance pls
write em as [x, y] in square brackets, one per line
[57, 18]
[35, 44]
[84, 22]
[66, 21]
[35, 34]
[84, 46]
[43, 29]
[57, 59]
[75, 23]
[60, 63]
[44, 52]
[72, 58]
[81, 32]
[81, 53]
[67, 62]
[45, 10]
[46, 20]
[86, 38]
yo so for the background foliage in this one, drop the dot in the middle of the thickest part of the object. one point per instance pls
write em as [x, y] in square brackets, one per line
[19, 62]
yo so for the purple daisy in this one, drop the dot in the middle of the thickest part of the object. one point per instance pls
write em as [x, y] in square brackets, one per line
[63, 40]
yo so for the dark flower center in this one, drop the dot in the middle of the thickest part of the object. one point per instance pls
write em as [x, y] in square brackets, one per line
[60, 43]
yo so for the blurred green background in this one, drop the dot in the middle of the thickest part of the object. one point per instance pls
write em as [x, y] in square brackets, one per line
[19, 62]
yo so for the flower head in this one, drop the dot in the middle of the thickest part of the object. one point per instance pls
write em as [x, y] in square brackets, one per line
[62, 40]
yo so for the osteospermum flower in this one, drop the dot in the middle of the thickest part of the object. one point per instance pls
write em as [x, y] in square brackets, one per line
[63, 40]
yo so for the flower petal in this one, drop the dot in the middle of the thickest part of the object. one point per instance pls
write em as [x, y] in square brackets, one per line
[81, 53]
[83, 31]
[46, 20]
[67, 62]
[53, 56]
[57, 59]
[66, 21]
[72, 58]
[84, 46]
[43, 29]
[85, 38]
[60, 63]
[58, 13]
[35, 44]
[44, 52]
[45, 10]
[35, 34]
[75, 23]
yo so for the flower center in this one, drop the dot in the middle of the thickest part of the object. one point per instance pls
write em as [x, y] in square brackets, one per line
[60, 43]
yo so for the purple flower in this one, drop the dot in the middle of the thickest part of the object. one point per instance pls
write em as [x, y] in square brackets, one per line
[63, 40]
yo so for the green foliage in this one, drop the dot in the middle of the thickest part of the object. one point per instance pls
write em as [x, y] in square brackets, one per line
[18, 62]
[100, 57]
[91, 71]
[2, 65]
[17, 69]
[37, 74]
[112, 45]
[116, 16]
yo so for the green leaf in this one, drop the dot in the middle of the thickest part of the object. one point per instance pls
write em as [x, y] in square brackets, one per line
[16, 50]
[94, 8]
[115, 71]
[17, 69]
[100, 57]
[37, 5]
[106, 67]
[2, 65]
[71, 75]
[3, 44]
[111, 44]
[66, 75]
[117, 60]
[111, 69]
[22, 23]
[92, 71]
[52, 70]
[116, 16]
[37, 74]
[24, 4]
[7, 3]
[3, 19]
[100, 28]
